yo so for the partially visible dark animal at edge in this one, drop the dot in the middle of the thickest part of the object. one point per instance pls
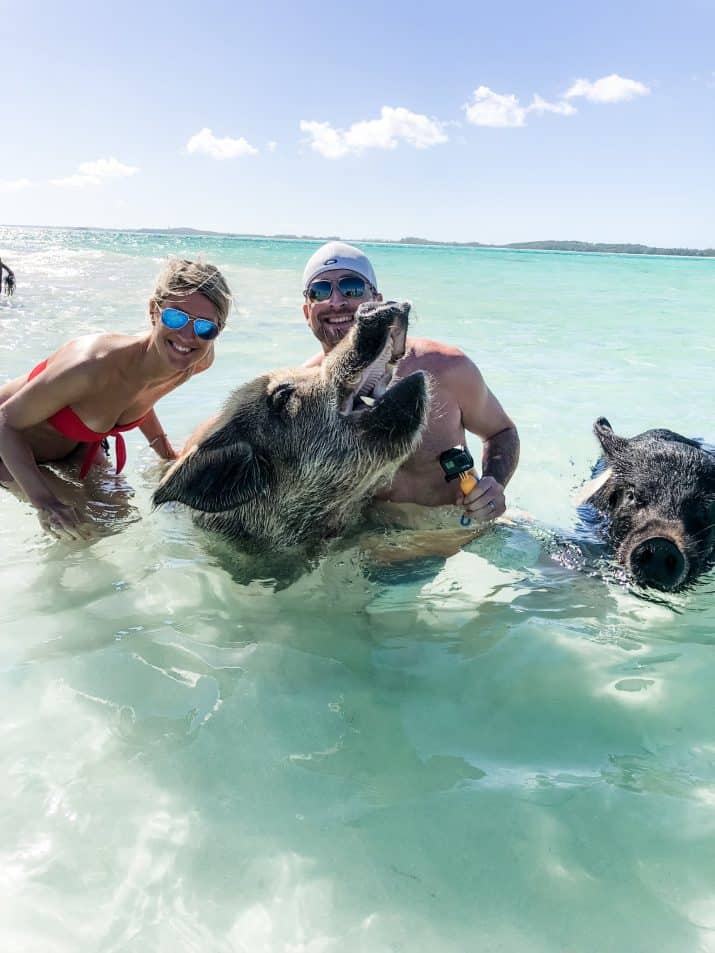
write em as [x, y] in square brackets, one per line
[297, 453]
[655, 497]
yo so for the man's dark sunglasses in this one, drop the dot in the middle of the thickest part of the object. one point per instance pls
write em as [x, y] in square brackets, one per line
[349, 286]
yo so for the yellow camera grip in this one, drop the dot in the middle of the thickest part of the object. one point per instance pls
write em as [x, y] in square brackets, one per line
[467, 482]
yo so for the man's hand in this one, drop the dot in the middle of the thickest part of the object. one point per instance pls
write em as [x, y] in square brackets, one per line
[485, 502]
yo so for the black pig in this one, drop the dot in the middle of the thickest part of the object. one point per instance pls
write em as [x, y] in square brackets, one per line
[655, 496]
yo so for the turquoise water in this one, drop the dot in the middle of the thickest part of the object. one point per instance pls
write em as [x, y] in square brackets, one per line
[494, 753]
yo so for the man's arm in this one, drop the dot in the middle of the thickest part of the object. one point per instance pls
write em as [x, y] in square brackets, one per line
[500, 455]
[483, 415]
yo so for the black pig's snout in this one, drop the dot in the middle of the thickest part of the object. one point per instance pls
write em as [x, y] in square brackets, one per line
[659, 563]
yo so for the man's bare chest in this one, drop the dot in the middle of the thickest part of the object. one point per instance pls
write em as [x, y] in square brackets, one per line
[444, 421]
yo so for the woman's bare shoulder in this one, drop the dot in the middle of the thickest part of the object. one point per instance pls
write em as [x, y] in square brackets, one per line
[93, 351]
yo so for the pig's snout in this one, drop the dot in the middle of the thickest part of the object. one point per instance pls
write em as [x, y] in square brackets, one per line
[658, 562]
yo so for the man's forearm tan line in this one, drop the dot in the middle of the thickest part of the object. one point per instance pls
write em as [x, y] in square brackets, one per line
[501, 455]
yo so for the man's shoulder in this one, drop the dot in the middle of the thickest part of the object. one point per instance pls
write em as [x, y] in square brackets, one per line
[426, 346]
[436, 357]
[315, 361]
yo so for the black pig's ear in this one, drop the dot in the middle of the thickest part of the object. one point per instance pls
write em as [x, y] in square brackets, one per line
[215, 476]
[611, 444]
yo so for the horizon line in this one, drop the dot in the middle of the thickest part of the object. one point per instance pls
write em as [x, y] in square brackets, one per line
[627, 248]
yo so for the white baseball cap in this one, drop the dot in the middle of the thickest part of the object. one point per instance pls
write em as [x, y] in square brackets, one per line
[338, 255]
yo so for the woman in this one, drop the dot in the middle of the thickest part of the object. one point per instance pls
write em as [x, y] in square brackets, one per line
[103, 384]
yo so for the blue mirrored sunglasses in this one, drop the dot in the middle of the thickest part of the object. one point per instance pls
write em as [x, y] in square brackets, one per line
[175, 319]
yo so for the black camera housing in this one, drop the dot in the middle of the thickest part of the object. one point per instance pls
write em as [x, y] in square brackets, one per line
[455, 462]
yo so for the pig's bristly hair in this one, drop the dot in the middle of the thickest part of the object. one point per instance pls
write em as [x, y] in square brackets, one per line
[285, 464]
[671, 479]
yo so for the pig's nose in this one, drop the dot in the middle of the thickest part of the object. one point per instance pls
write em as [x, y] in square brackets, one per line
[658, 562]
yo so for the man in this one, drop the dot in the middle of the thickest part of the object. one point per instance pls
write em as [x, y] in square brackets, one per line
[9, 279]
[337, 279]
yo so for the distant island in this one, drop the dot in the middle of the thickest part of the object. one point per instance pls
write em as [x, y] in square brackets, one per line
[611, 248]
[606, 248]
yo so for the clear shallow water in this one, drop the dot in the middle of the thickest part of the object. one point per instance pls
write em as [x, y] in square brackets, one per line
[496, 752]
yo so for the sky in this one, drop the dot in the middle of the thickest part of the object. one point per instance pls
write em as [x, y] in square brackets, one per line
[466, 121]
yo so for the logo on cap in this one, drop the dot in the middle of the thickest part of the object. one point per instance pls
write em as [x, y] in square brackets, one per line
[330, 261]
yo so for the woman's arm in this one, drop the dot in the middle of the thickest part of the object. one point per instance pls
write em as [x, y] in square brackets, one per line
[151, 427]
[156, 436]
[58, 386]
[55, 516]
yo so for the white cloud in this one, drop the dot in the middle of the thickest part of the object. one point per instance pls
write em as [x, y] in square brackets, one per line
[396, 124]
[500, 110]
[94, 173]
[327, 141]
[608, 89]
[271, 146]
[107, 169]
[13, 185]
[540, 105]
[494, 109]
[207, 144]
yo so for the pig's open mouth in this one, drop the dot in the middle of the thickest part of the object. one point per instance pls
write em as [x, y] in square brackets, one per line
[377, 378]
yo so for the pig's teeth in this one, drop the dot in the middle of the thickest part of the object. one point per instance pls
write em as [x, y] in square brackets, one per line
[367, 400]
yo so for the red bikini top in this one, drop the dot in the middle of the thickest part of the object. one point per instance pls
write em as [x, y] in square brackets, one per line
[70, 425]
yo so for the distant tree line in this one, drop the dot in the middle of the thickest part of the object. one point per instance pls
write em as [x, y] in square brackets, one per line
[605, 247]
[616, 248]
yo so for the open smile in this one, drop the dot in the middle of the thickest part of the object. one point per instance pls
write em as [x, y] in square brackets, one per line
[180, 348]
[339, 320]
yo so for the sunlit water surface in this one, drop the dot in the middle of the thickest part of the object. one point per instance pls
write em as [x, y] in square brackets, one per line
[504, 751]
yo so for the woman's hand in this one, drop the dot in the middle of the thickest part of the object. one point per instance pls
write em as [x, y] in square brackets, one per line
[161, 446]
[62, 521]
[156, 436]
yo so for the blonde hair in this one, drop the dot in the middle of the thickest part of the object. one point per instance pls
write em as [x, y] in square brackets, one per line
[182, 277]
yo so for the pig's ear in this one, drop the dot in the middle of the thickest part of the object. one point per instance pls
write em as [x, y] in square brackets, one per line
[589, 489]
[611, 444]
[215, 475]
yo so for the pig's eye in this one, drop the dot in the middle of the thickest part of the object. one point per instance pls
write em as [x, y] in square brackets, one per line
[625, 497]
[278, 399]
